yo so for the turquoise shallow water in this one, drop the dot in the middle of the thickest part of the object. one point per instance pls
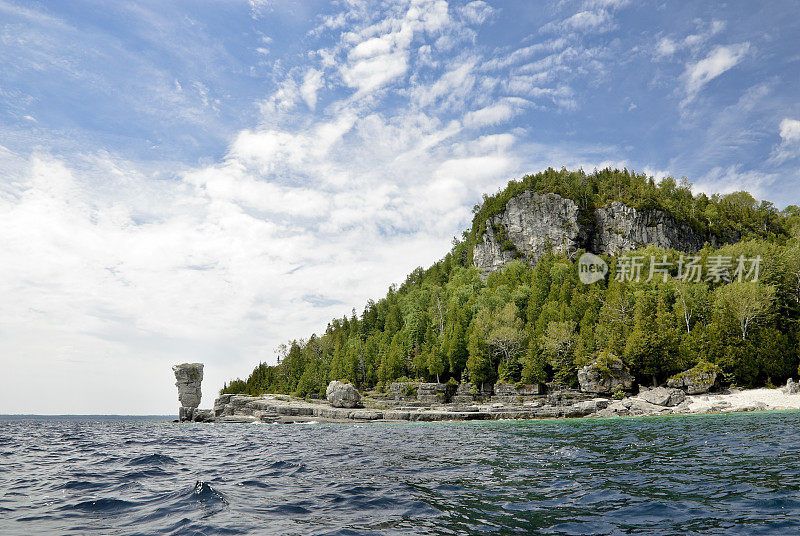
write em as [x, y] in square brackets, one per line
[731, 474]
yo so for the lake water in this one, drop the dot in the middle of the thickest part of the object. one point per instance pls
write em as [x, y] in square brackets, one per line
[731, 474]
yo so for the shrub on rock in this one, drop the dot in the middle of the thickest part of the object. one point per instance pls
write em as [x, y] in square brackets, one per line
[607, 374]
[697, 380]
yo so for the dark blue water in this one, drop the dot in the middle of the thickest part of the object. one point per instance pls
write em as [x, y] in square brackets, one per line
[735, 474]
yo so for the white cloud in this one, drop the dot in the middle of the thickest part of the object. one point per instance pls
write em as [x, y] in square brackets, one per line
[458, 81]
[594, 17]
[587, 20]
[718, 61]
[727, 179]
[524, 53]
[312, 82]
[476, 12]
[666, 47]
[789, 147]
[790, 130]
[380, 52]
[494, 114]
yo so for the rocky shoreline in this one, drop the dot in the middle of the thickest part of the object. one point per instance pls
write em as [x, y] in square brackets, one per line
[271, 408]
[691, 392]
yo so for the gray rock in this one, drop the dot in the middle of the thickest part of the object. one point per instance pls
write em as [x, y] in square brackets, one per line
[533, 224]
[195, 415]
[605, 377]
[467, 392]
[403, 390]
[342, 395]
[432, 392]
[221, 403]
[185, 414]
[663, 396]
[792, 387]
[512, 393]
[592, 406]
[189, 376]
[697, 380]
[642, 407]
[619, 228]
[203, 415]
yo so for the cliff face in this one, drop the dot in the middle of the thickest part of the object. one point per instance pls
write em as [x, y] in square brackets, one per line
[533, 224]
[619, 228]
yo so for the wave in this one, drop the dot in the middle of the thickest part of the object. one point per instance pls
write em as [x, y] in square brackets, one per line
[153, 459]
[101, 505]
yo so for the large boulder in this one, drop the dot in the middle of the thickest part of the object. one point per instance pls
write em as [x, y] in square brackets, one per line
[606, 375]
[697, 380]
[663, 396]
[342, 395]
[189, 376]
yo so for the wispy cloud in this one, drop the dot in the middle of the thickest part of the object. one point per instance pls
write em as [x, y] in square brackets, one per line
[718, 61]
[789, 146]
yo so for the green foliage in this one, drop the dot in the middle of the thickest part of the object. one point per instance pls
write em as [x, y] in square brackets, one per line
[537, 324]
[409, 390]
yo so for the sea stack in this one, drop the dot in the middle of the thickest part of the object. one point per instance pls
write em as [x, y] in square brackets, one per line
[189, 376]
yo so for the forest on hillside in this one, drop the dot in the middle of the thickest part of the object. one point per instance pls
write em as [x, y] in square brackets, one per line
[539, 323]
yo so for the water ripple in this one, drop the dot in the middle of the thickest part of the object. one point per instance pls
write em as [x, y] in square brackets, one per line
[727, 474]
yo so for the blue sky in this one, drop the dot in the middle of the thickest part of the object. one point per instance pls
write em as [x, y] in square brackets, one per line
[203, 181]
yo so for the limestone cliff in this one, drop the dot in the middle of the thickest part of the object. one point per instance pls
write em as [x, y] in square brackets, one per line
[619, 228]
[533, 224]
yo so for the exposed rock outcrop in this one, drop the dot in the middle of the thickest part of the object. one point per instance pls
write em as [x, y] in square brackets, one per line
[403, 390]
[189, 377]
[506, 392]
[606, 375]
[533, 224]
[619, 228]
[433, 393]
[467, 392]
[663, 396]
[792, 387]
[342, 395]
[697, 380]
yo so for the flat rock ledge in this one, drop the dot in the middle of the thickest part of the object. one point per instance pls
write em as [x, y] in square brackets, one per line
[271, 408]
[282, 408]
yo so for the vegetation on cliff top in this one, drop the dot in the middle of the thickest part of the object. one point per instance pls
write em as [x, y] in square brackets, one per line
[535, 324]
